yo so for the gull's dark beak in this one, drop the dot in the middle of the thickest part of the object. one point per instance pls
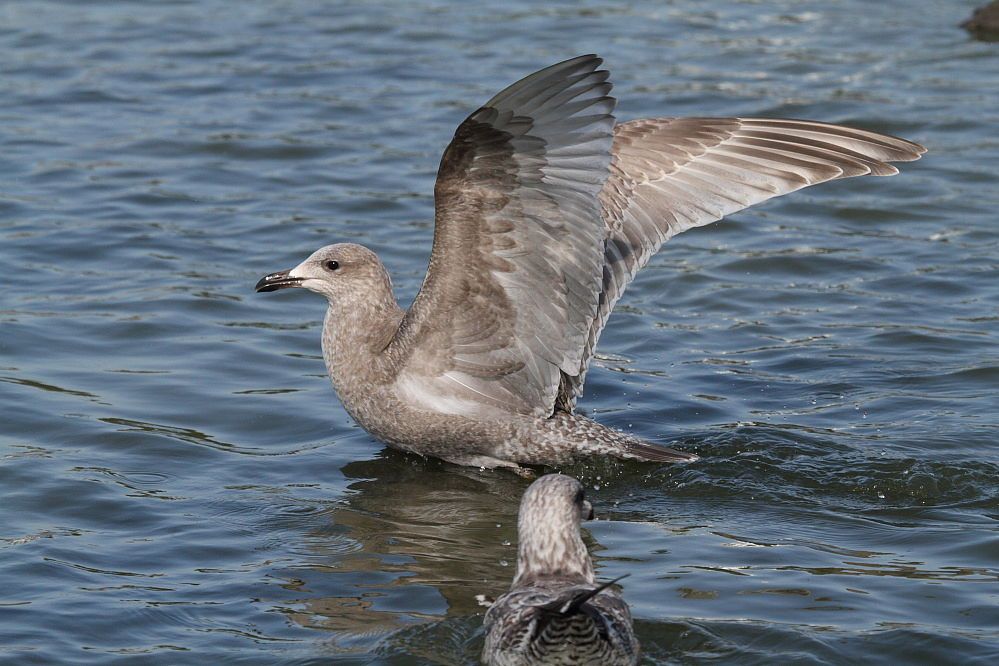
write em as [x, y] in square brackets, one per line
[279, 280]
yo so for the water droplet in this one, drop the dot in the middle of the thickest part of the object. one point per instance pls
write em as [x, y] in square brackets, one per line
[503, 563]
[505, 542]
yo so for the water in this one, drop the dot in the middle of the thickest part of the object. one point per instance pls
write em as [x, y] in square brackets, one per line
[178, 484]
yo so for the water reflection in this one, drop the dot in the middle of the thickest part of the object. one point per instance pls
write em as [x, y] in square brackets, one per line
[442, 532]
[427, 537]
[448, 527]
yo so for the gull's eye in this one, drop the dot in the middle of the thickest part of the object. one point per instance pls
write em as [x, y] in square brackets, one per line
[331, 265]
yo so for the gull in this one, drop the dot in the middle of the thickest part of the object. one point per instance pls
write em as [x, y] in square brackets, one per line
[545, 210]
[555, 611]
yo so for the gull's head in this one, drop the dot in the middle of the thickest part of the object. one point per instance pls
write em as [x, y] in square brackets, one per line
[339, 272]
[548, 529]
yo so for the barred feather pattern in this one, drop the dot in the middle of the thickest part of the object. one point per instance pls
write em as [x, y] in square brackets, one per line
[522, 630]
[555, 611]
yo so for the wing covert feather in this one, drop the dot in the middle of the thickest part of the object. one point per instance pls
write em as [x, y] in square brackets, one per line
[515, 268]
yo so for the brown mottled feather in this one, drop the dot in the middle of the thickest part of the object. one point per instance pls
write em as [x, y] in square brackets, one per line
[545, 211]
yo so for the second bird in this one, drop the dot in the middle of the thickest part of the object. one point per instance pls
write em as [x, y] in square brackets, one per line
[555, 611]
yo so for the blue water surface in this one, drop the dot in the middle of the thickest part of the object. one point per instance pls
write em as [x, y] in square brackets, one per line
[179, 485]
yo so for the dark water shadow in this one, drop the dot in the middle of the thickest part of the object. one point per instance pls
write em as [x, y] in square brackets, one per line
[442, 532]
[425, 538]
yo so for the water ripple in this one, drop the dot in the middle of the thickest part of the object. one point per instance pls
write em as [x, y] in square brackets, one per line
[178, 479]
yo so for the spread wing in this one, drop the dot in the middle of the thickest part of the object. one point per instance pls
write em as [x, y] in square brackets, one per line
[671, 174]
[515, 270]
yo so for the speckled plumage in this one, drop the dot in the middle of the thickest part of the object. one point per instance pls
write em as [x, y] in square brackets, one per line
[555, 611]
[545, 211]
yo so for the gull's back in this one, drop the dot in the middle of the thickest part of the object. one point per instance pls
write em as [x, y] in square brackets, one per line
[524, 628]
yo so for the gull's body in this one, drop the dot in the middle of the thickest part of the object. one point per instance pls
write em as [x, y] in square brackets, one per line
[555, 611]
[545, 211]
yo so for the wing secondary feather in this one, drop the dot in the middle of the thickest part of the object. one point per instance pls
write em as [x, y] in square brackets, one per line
[671, 174]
